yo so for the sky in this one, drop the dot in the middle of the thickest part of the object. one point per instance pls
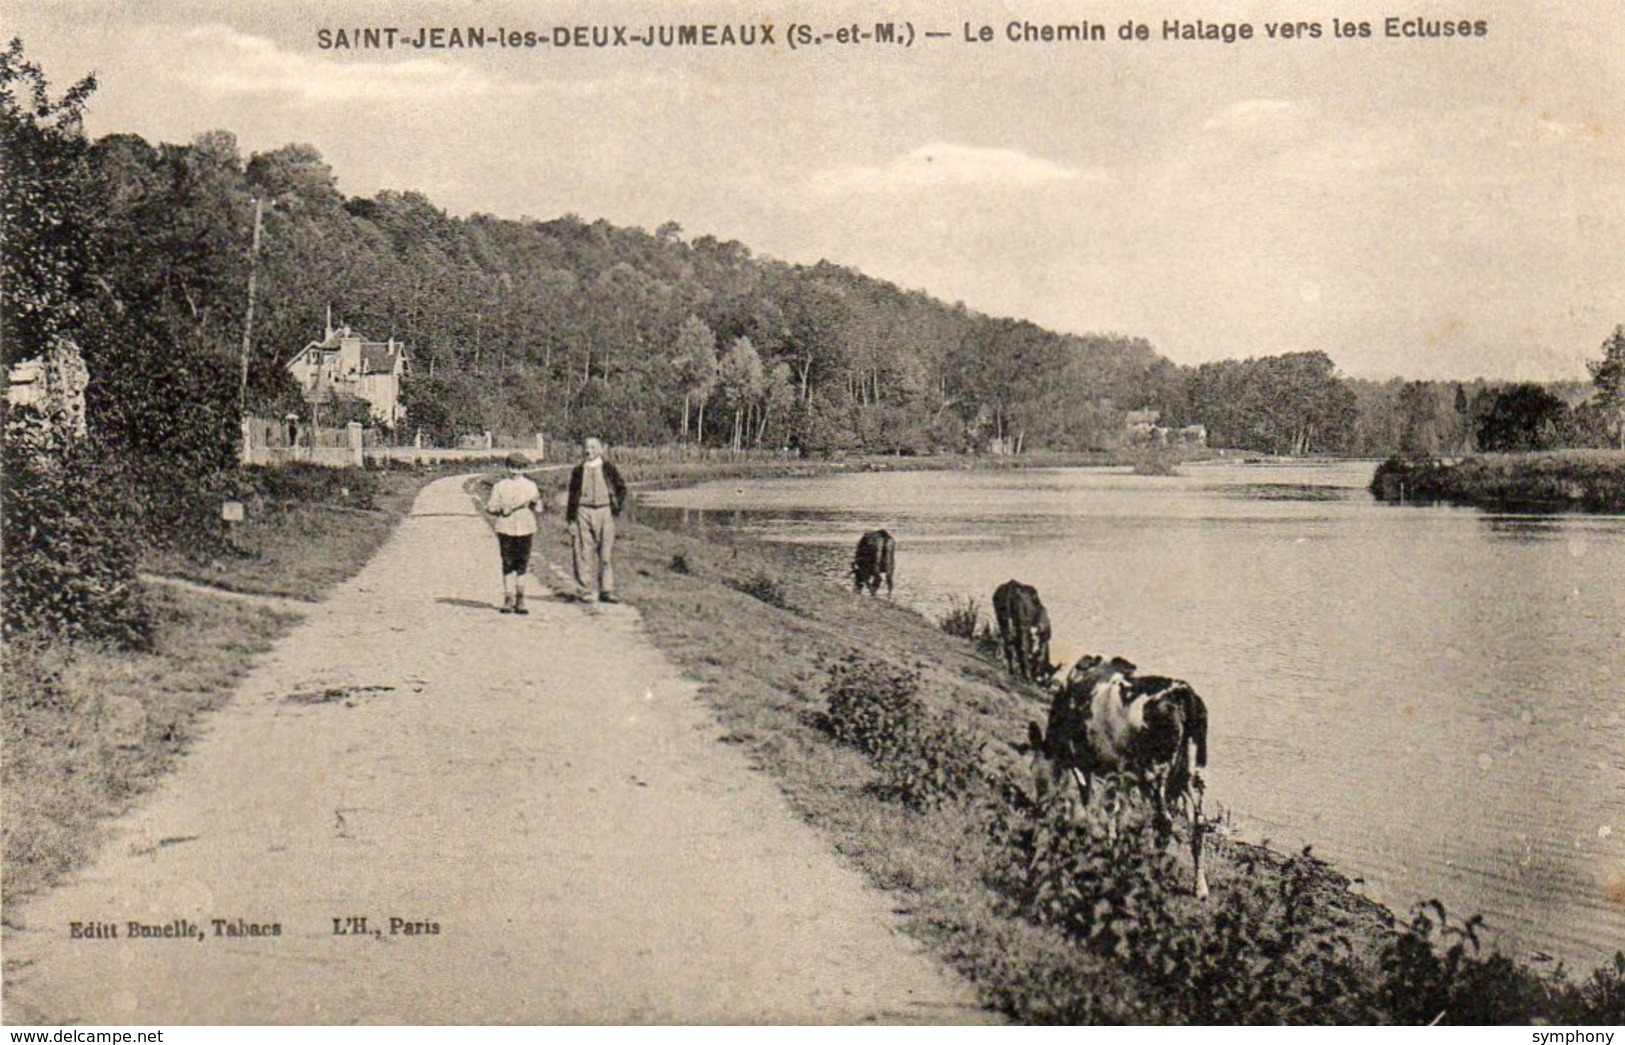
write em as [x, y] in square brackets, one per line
[1433, 208]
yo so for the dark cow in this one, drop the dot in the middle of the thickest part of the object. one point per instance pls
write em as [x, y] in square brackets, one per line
[1107, 719]
[1023, 630]
[875, 560]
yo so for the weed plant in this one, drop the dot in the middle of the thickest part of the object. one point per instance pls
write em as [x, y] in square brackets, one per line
[764, 587]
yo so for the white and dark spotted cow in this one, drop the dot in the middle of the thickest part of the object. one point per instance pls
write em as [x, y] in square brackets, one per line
[1106, 719]
[1024, 630]
[874, 561]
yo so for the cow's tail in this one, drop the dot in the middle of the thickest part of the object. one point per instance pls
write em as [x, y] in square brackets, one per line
[1196, 727]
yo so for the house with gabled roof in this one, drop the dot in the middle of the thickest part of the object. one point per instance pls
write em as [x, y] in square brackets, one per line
[345, 365]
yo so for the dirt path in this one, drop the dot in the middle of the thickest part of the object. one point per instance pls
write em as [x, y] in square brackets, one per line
[544, 796]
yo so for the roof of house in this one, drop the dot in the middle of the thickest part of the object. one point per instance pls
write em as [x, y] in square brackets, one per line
[378, 357]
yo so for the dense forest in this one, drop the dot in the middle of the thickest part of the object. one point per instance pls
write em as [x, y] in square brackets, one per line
[142, 254]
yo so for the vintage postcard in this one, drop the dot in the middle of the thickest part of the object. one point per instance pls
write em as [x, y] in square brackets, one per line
[1070, 511]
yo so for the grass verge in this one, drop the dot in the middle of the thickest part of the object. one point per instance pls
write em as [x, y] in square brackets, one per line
[87, 728]
[305, 528]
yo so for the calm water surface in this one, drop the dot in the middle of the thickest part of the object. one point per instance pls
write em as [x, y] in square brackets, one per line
[1432, 697]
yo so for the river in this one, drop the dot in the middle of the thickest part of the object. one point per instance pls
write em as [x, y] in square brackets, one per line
[1432, 697]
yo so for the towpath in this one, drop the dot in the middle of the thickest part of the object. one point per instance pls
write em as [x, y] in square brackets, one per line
[534, 816]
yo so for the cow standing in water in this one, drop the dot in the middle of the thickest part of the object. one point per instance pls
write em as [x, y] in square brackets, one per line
[1106, 719]
[875, 560]
[1024, 630]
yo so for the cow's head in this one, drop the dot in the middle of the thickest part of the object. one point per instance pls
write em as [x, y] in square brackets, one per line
[1035, 646]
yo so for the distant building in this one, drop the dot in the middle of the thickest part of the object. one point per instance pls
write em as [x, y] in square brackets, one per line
[1140, 426]
[345, 365]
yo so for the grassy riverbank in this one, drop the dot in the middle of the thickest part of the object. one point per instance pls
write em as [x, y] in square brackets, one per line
[897, 740]
[1558, 480]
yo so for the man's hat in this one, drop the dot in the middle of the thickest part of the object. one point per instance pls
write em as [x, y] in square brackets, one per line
[517, 460]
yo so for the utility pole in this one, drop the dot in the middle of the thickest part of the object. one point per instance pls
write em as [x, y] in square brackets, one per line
[248, 323]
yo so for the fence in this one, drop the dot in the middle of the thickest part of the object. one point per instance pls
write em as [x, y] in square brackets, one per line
[690, 452]
[268, 441]
[283, 442]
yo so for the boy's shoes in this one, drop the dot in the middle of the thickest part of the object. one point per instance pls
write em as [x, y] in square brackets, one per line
[607, 597]
[507, 604]
[519, 606]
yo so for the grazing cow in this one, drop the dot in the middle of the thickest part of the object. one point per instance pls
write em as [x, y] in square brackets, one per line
[1106, 719]
[1023, 630]
[875, 560]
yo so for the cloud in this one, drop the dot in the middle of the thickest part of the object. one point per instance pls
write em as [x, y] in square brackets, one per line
[1262, 145]
[224, 61]
[1264, 117]
[943, 165]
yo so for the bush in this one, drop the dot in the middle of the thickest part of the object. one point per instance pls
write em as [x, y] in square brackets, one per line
[1265, 949]
[873, 705]
[69, 566]
[1600, 999]
[963, 618]
[923, 759]
[1155, 460]
[1099, 873]
[1300, 966]
[940, 763]
[764, 587]
[1431, 973]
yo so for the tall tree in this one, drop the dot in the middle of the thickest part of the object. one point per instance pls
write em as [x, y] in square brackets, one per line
[741, 378]
[46, 207]
[694, 362]
[1608, 374]
[69, 566]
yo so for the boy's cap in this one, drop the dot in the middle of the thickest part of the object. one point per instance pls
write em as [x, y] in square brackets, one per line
[518, 461]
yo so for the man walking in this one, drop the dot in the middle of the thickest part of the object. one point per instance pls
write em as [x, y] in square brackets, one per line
[596, 496]
[513, 501]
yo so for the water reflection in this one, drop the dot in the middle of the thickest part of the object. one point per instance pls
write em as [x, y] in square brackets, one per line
[1284, 492]
[1522, 527]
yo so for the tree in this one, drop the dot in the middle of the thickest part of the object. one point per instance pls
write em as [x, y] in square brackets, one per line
[1420, 422]
[778, 397]
[742, 379]
[1608, 374]
[295, 176]
[1522, 418]
[69, 566]
[47, 207]
[1462, 422]
[695, 364]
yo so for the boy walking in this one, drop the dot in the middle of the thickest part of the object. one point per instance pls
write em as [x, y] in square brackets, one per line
[596, 496]
[513, 501]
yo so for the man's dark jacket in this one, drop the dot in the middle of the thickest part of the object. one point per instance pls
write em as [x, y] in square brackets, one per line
[612, 479]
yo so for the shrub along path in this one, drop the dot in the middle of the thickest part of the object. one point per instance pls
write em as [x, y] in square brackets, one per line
[533, 815]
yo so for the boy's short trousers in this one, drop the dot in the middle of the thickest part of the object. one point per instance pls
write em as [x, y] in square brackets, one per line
[515, 552]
